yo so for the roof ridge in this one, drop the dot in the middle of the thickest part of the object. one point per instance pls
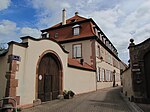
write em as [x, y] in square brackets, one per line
[68, 21]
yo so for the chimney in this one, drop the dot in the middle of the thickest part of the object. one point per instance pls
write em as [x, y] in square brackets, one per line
[81, 61]
[63, 16]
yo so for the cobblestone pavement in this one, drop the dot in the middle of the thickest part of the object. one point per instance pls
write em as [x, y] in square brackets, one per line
[105, 100]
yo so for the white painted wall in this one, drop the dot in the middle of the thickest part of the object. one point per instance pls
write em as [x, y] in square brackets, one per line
[3, 68]
[86, 49]
[127, 83]
[103, 64]
[106, 66]
[79, 81]
[27, 66]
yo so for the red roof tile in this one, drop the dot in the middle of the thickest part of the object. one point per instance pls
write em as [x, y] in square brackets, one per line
[75, 18]
[66, 32]
[76, 63]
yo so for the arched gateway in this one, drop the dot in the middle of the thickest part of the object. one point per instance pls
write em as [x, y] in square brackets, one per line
[49, 80]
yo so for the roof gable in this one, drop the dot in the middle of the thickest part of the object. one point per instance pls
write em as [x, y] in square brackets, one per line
[73, 19]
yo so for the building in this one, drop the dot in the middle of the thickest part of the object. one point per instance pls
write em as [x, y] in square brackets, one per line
[73, 51]
[136, 85]
[38, 70]
[85, 41]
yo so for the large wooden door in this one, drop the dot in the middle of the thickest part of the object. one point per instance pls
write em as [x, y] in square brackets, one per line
[48, 78]
[147, 72]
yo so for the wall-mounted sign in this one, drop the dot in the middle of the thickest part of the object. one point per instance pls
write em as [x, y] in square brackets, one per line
[40, 77]
[14, 57]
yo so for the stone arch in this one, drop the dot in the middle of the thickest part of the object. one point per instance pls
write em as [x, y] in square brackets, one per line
[49, 70]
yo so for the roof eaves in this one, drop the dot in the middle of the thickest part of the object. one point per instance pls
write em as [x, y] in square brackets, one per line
[82, 68]
[19, 44]
[49, 39]
[99, 41]
[102, 32]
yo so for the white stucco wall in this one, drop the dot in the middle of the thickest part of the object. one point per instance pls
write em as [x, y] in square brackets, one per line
[86, 49]
[79, 81]
[27, 67]
[3, 68]
[127, 83]
[103, 64]
[106, 66]
[2, 76]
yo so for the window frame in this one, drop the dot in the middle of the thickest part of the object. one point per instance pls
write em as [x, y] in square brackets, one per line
[76, 28]
[56, 35]
[102, 78]
[98, 74]
[73, 51]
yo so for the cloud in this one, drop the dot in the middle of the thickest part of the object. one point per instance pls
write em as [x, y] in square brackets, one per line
[26, 31]
[47, 10]
[4, 4]
[10, 31]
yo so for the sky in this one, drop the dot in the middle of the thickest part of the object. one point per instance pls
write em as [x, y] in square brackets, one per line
[120, 20]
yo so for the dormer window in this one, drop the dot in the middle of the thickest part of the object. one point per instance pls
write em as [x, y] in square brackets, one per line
[56, 35]
[76, 30]
[45, 35]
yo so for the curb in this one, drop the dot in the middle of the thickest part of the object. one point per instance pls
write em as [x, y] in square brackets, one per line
[131, 105]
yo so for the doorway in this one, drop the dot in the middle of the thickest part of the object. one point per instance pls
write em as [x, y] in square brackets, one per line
[49, 77]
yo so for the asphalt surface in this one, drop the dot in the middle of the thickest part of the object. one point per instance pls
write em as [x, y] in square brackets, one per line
[104, 100]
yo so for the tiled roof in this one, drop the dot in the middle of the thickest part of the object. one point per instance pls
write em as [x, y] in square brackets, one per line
[75, 18]
[65, 33]
[77, 64]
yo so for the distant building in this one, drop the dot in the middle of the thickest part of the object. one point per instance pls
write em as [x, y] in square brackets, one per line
[84, 40]
[136, 84]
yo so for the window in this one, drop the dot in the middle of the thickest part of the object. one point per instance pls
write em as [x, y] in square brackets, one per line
[45, 35]
[77, 51]
[96, 31]
[98, 51]
[111, 76]
[98, 74]
[76, 30]
[102, 78]
[56, 35]
[107, 75]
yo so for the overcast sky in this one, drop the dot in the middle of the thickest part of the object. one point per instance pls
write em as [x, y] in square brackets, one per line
[120, 20]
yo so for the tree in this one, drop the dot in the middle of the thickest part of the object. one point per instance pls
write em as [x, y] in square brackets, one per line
[2, 46]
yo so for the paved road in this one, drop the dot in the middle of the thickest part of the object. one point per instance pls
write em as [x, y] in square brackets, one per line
[105, 100]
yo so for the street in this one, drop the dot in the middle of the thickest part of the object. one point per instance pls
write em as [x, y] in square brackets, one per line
[104, 100]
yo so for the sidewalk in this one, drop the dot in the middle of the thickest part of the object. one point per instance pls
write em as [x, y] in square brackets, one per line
[144, 107]
[105, 100]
